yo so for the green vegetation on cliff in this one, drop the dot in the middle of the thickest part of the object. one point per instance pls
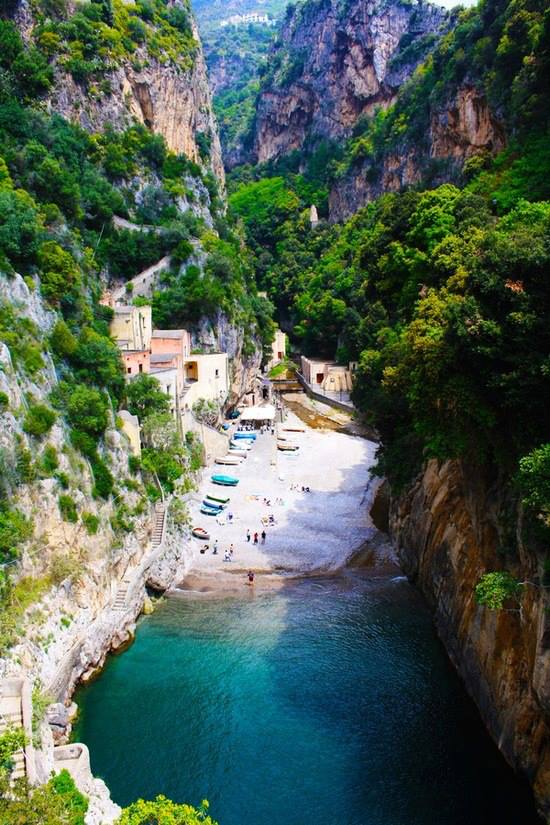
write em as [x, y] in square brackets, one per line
[440, 295]
[501, 49]
[61, 188]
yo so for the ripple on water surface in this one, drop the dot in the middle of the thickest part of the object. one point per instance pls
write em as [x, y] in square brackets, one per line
[328, 702]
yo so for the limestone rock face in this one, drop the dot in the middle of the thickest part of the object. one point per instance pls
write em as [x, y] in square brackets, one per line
[447, 530]
[463, 127]
[171, 102]
[336, 65]
[221, 335]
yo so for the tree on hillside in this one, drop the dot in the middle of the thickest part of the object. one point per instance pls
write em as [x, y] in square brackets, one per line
[145, 396]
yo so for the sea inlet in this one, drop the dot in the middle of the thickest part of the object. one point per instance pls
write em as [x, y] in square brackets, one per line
[329, 700]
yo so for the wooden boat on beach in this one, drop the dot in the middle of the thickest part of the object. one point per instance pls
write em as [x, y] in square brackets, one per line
[228, 459]
[287, 446]
[218, 499]
[225, 481]
[238, 452]
[294, 429]
[201, 533]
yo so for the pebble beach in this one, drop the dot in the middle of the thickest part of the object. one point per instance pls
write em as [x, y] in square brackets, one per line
[313, 532]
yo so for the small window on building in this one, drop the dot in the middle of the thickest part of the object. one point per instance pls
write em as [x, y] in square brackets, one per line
[217, 373]
[129, 370]
[141, 367]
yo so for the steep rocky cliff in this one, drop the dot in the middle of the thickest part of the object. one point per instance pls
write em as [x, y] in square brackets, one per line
[334, 63]
[172, 99]
[80, 563]
[462, 127]
[449, 531]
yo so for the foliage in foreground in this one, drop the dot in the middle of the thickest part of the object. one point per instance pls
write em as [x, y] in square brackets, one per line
[58, 802]
[163, 811]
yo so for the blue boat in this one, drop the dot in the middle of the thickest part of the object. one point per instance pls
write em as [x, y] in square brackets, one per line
[225, 481]
[250, 436]
[209, 511]
[213, 505]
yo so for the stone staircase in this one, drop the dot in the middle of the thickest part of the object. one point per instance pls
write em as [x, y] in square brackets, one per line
[120, 598]
[11, 716]
[119, 603]
[158, 529]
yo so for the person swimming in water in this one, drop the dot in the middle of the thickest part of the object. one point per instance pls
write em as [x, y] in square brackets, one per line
[250, 577]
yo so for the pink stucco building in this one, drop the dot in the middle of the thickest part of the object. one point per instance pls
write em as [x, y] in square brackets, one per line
[135, 361]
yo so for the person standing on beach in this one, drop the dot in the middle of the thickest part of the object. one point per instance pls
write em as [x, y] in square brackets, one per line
[263, 536]
[215, 550]
[250, 577]
[255, 538]
[231, 549]
[248, 535]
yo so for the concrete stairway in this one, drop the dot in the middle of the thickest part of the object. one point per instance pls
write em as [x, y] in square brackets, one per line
[158, 529]
[11, 716]
[119, 603]
[120, 598]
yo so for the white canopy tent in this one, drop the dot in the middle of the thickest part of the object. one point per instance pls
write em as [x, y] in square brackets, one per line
[257, 414]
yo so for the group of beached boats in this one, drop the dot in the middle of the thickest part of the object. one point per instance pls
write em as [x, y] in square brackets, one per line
[239, 446]
[213, 505]
[285, 442]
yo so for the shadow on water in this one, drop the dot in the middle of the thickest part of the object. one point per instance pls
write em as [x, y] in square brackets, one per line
[329, 701]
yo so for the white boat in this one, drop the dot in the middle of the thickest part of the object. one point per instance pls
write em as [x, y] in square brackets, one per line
[228, 459]
[235, 452]
[286, 446]
[240, 445]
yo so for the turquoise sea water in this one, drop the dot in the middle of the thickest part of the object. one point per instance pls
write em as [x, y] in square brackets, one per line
[330, 702]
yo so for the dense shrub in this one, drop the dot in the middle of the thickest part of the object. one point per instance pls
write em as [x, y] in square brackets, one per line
[59, 271]
[103, 479]
[58, 802]
[145, 396]
[87, 410]
[39, 420]
[49, 461]
[163, 810]
[67, 508]
[91, 523]
[15, 528]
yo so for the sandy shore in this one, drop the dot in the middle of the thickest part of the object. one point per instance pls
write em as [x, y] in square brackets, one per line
[315, 532]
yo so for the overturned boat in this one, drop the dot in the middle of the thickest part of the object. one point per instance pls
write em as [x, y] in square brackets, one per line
[225, 481]
[287, 446]
[241, 445]
[218, 499]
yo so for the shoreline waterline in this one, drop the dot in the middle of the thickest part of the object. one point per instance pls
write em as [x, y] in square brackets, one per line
[278, 705]
[312, 507]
